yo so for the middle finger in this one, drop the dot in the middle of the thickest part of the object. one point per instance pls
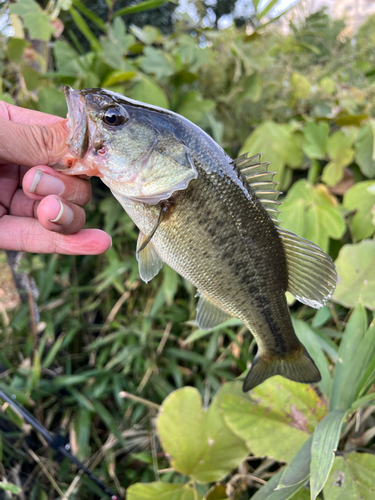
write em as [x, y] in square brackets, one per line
[42, 181]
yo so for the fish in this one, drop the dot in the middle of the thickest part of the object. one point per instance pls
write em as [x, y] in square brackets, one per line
[212, 219]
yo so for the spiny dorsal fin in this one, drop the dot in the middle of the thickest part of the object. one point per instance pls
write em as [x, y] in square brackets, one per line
[149, 262]
[312, 273]
[260, 179]
[209, 314]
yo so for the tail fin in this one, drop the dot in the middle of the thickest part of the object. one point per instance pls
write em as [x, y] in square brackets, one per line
[297, 366]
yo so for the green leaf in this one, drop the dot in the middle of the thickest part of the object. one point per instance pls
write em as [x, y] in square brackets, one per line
[300, 86]
[117, 77]
[148, 91]
[279, 408]
[24, 7]
[361, 198]
[90, 14]
[311, 212]
[267, 8]
[356, 270]
[341, 155]
[309, 339]
[356, 351]
[155, 62]
[325, 440]
[352, 477]
[147, 35]
[278, 144]
[269, 491]
[12, 488]
[15, 49]
[364, 150]
[139, 7]
[162, 491]
[198, 441]
[298, 470]
[193, 106]
[84, 29]
[316, 137]
[38, 25]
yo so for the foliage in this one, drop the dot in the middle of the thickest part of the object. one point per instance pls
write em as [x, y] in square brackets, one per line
[109, 358]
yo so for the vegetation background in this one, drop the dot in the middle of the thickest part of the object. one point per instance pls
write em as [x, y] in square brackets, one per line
[149, 402]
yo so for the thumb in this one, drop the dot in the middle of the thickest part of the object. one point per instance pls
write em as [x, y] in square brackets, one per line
[31, 145]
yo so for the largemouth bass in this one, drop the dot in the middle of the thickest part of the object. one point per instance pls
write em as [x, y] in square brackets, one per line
[211, 218]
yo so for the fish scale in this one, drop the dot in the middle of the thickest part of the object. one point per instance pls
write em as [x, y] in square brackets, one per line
[210, 218]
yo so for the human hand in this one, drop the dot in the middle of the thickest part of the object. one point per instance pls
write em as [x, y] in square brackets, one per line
[46, 215]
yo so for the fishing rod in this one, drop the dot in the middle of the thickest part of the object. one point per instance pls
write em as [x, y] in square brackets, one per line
[56, 442]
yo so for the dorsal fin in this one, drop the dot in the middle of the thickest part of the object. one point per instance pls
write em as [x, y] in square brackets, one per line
[312, 273]
[260, 179]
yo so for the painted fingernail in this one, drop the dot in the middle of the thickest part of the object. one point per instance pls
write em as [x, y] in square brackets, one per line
[65, 215]
[44, 184]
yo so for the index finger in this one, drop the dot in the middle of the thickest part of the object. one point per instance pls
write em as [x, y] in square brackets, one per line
[26, 116]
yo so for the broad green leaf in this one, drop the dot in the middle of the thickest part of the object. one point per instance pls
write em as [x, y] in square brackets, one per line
[364, 147]
[352, 477]
[316, 136]
[300, 86]
[155, 62]
[39, 25]
[24, 7]
[278, 144]
[311, 212]
[67, 59]
[192, 106]
[328, 85]
[217, 492]
[148, 91]
[309, 339]
[198, 441]
[52, 101]
[324, 444]
[162, 491]
[356, 270]
[279, 408]
[298, 470]
[341, 155]
[361, 199]
[16, 48]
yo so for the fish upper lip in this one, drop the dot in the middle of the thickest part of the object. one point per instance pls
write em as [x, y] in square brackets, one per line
[78, 140]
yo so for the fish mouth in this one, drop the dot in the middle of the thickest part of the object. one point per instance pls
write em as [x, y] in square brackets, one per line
[78, 140]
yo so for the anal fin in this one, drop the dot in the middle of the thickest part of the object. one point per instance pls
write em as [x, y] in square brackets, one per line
[209, 314]
[149, 262]
[296, 365]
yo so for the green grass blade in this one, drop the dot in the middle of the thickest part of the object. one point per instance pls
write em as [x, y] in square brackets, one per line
[299, 467]
[354, 332]
[85, 30]
[325, 441]
[146, 5]
[91, 15]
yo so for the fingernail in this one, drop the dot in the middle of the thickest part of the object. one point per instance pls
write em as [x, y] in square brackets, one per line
[65, 214]
[44, 184]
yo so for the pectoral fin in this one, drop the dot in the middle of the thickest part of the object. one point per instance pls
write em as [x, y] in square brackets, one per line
[209, 314]
[163, 214]
[312, 273]
[149, 262]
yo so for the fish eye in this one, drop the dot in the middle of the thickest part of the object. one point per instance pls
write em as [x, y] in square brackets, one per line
[114, 117]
